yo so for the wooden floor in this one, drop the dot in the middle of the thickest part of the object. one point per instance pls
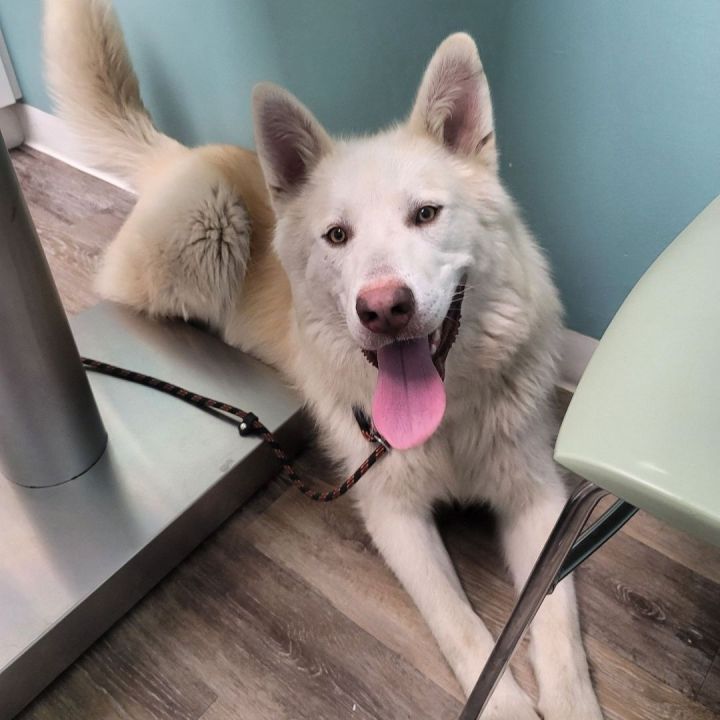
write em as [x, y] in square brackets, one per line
[288, 612]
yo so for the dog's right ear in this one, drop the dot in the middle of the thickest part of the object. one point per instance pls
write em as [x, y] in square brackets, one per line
[289, 140]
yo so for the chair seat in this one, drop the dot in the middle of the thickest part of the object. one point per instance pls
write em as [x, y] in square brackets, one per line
[644, 423]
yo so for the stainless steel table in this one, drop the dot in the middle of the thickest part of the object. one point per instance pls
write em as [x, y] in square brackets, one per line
[81, 545]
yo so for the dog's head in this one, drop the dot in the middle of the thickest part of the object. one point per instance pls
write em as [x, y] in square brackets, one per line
[378, 234]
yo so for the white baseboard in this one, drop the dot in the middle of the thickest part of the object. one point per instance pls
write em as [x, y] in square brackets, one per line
[576, 354]
[51, 135]
[10, 126]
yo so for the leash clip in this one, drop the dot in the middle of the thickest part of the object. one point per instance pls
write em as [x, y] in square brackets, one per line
[368, 429]
[246, 425]
[380, 440]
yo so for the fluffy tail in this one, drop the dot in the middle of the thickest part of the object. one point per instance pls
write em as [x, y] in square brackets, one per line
[95, 88]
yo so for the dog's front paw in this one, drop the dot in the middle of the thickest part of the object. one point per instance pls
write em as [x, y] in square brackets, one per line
[573, 705]
[509, 702]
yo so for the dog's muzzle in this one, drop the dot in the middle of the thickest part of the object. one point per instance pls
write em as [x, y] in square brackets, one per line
[448, 333]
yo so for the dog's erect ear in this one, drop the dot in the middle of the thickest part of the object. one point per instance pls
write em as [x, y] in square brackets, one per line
[453, 103]
[289, 140]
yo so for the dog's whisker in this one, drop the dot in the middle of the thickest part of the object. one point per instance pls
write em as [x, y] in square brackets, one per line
[464, 290]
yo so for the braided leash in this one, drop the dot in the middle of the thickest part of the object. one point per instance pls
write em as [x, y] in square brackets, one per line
[250, 425]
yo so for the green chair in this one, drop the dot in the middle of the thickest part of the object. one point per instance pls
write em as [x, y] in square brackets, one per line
[643, 424]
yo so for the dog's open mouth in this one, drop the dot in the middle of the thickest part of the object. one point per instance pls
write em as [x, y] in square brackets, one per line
[409, 400]
[441, 340]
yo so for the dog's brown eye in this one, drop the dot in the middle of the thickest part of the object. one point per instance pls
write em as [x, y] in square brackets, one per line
[426, 214]
[336, 235]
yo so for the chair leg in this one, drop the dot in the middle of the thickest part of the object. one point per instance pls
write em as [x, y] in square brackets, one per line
[595, 536]
[541, 580]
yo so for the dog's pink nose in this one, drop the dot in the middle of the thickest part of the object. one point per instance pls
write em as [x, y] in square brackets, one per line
[386, 308]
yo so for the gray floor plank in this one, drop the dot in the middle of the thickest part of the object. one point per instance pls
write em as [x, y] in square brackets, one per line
[709, 693]
[654, 611]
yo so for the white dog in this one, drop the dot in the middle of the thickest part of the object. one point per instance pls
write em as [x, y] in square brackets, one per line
[337, 262]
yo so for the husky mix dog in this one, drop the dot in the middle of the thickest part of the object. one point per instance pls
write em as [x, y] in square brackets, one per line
[342, 263]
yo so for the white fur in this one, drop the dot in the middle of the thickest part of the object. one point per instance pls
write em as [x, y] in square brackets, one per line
[91, 79]
[494, 444]
[193, 228]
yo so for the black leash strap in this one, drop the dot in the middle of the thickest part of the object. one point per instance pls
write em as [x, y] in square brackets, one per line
[250, 425]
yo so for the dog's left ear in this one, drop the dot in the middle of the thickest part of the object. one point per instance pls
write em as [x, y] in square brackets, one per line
[453, 103]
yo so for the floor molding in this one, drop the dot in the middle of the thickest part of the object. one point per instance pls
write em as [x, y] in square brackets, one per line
[576, 354]
[49, 134]
[10, 126]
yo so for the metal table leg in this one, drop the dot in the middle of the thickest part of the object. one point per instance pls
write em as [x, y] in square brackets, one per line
[542, 579]
[50, 430]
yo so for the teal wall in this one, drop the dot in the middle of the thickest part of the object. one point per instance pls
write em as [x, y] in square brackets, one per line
[351, 61]
[608, 110]
[20, 22]
[609, 125]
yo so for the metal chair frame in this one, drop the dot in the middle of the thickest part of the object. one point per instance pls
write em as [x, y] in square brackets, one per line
[566, 548]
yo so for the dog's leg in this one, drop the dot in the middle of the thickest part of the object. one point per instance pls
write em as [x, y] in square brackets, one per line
[556, 644]
[410, 543]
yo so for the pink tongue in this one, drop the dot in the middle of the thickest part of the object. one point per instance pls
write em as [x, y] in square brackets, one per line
[409, 399]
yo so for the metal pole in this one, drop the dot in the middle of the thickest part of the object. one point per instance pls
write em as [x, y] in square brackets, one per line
[50, 428]
[595, 536]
